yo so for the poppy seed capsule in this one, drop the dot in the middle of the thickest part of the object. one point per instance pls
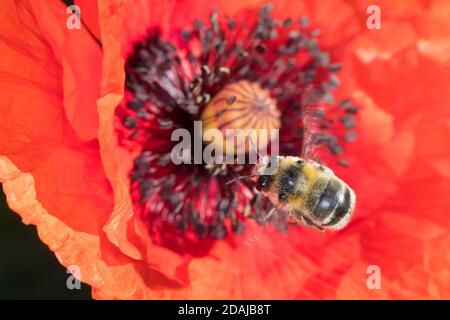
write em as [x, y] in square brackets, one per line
[244, 106]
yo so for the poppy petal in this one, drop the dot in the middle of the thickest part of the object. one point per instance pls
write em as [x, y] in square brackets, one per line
[89, 16]
[80, 58]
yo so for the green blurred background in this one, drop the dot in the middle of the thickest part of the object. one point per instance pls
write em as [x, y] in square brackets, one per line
[28, 269]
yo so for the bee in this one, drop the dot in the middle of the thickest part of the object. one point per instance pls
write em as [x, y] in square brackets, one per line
[309, 192]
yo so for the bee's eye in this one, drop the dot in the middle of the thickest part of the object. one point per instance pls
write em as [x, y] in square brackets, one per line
[262, 183]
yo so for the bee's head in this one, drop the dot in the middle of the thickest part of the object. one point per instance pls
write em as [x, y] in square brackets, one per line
[266, 168]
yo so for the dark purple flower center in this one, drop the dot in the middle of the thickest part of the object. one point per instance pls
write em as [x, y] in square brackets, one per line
[169, 85]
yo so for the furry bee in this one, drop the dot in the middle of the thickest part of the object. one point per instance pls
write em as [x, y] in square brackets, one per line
[307, 191]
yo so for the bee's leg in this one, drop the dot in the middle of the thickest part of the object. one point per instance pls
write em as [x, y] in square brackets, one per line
[271, 212]
[309, 223]
[291, 218]
[296, 217]
[278, 219]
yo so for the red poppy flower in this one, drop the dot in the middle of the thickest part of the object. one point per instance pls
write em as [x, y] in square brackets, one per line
[87, 117]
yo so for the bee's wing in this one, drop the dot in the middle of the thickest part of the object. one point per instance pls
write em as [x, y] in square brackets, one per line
[278, 217]
[311, 117]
